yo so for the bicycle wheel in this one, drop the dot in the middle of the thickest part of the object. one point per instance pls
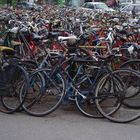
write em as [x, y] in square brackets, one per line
[14, 76]
[135, 65]
[85, 83]
[132, 64]
[110, 103]
[45, 93]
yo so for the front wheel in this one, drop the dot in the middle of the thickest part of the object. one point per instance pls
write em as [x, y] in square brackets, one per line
[14, 76]
[110, 103]
[134, 65]
[45, 92]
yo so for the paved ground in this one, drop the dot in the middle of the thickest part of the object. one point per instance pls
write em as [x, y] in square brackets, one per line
[64, 124]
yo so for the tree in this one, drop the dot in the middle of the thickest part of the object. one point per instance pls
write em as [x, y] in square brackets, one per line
[9, 3]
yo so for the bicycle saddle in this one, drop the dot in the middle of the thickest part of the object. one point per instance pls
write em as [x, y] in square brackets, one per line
[7, 50]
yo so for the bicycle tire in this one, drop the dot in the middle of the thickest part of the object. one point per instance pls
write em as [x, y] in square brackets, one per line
[133, 64]
[10, 102]
[85, 85]
[44, 101]
[120, 113]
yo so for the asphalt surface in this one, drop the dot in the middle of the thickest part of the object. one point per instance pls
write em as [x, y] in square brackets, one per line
[64, 124]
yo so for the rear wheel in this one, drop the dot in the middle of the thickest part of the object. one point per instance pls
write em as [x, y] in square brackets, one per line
[86, 84]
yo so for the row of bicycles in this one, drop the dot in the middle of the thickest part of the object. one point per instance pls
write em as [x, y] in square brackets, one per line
[63, 55]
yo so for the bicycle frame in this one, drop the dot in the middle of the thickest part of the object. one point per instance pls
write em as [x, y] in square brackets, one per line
[104, 68]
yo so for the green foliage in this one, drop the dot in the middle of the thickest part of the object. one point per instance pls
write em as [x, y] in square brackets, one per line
[14, 2]
[2, 2]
